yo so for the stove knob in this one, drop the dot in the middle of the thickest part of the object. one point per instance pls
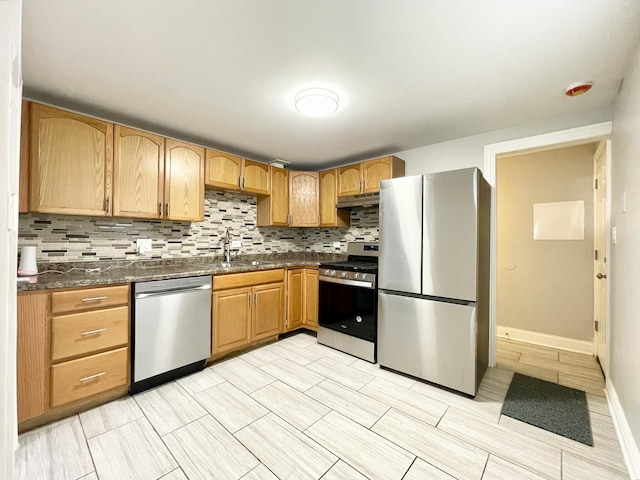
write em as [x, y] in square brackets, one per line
[332, 273]
[359, 276]
[343, 274]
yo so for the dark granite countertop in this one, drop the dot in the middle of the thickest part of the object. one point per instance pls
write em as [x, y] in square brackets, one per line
[142, 270]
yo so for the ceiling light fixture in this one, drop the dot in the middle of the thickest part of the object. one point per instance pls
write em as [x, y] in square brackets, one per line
[316, 102]
[578, 88]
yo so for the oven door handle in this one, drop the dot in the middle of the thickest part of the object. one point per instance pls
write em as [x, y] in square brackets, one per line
[344, 281]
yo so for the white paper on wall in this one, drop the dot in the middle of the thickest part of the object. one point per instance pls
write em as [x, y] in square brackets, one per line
[558, 221]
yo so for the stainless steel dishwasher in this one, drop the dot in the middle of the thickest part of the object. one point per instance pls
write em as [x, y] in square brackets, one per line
[171, 330]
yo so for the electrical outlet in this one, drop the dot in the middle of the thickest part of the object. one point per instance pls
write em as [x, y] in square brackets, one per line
[236, 243]
[336, 244]
[143, 245]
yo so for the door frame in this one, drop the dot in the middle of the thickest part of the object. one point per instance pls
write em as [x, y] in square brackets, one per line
[547, 141]
[606, 147]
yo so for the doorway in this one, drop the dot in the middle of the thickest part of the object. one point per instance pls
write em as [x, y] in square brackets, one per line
[565, 138]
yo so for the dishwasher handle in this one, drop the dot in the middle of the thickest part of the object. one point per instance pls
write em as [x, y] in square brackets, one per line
[172, 291]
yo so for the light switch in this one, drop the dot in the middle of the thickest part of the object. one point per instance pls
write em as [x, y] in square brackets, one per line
[614, 234]
[143, 245]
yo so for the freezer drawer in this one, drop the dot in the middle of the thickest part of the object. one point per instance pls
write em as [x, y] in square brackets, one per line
[431, 340]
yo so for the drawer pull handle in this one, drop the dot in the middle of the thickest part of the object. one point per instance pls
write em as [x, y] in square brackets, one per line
[92, 377]
[93, 332]
[94, 299]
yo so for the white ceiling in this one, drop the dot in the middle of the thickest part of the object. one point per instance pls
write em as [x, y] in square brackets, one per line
[408, 72]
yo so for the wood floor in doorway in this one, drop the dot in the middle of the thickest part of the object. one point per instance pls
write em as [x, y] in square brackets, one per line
[570, 369]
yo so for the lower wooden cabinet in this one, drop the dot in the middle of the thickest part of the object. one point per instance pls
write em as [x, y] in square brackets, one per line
[71, 352]
[295, 299]
[246, 307]
[268, 309]
[86, 376]
[302, 299]
[32, 361]
[310, 283]
[231, 319]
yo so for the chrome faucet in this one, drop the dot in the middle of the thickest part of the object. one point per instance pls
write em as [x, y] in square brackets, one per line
[227, 247]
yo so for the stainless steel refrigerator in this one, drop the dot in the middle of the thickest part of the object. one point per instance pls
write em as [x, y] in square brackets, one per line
[433, 277]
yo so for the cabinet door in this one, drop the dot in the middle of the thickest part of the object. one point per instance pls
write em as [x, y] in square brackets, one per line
[138, 173]
[304, 198]
[330, 216]
[223, 170]
[274, 209]
[349, 179]
[32, 360]
[310, 318]
[268, 311]
[294, 299]
[184, 181]
[255, 177]
[71, 163]
[231, 319]
[25, 122]
[373, 171]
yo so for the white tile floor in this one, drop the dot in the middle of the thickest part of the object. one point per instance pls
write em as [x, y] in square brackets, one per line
[296, 409]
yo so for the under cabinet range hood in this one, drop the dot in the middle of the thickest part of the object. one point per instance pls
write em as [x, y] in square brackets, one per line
[362, 200]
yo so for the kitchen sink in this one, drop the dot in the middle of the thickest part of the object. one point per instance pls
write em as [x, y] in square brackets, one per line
[241, 263]
[255, 263]
[222, 265]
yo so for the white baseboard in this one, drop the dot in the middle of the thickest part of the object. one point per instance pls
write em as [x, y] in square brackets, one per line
[625, 437]
[562, 343]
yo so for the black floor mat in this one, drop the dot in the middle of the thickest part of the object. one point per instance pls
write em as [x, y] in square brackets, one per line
[553, 407]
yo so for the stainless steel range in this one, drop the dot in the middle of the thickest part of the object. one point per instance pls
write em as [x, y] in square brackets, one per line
[348, 302]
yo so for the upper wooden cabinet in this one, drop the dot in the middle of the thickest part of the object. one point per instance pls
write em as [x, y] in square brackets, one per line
[25, 121]
[364, 177]
[350, 179]
[255, 177]
[138, 173]
[184, 181]
[274, 209]
[330, 216]
[71, 163]
[223, 170]
[380, 169]
[151, 182]
[230, 172]
[304, 197]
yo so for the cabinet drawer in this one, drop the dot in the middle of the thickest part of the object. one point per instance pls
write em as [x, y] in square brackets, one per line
[87, 376]
[236, 280]
[89, 298]
[87, 332]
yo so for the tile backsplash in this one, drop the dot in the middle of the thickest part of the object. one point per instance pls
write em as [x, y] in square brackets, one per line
[60, 238]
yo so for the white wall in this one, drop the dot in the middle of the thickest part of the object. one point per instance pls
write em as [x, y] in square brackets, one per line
[625, 255]
[10, 98]
[544, 286]
[469, 151]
